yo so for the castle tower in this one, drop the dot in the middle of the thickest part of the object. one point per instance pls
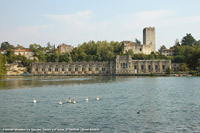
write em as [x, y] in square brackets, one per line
[149, 38]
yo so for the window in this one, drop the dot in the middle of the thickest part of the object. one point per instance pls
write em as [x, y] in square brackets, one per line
[69, 69]
[76, 69]
[140, 49]
[90, 69]
[163, 67]
[142, 67]
[36, 69]
[56, 69]
[63, 69]
[123, 65]
[49, 69]
[43, 69]
[149, 67]
[156, 66]
[103, 69]
[135, 67]
[83, 69]
[97, 68]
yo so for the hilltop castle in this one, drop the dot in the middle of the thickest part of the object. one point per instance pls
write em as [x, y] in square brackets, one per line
[149, 43]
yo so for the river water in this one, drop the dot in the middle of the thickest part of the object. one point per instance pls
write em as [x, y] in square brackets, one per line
[127, 104]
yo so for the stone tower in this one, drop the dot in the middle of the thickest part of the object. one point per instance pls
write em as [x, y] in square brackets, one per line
[149, 37]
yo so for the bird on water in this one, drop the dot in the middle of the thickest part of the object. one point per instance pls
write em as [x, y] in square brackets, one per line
[34, 100]
[69, 100]
[60, 102]
[97, 98]
[73, 101]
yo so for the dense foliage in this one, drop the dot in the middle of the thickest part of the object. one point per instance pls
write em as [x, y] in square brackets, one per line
[2, 64]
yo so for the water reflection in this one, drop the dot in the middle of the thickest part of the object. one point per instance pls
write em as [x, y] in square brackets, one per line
[13, 82]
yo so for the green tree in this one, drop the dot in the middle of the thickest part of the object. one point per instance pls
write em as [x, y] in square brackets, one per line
[184, 67]
[39, 52]
[188, 40]
[11, 57]
[161, 48]
[6, 46]
[64, 58]
[2, 64]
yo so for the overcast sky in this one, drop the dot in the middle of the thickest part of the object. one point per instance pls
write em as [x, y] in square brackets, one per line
[76, 21]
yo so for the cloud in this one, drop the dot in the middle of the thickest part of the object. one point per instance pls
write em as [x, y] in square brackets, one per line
[77, 18]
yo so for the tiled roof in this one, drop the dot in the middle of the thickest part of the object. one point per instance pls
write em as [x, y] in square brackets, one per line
[22, 50]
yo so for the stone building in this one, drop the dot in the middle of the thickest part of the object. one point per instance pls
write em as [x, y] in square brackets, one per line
[121, 65]
[167, 52]
[64, 48]
[149, 42]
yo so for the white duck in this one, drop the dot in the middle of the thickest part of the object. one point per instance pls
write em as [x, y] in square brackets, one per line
[73, 101]
[69, 100]
[86, 99]
[97, 98]
[34, 100]
[60, 102]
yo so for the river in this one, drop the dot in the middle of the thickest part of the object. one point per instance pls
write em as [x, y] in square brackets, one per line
[126, 104]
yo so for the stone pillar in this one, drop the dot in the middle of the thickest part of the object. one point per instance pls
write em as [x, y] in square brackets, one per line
[153, 66]
[146, 67]
[139, 67]
[160, 66]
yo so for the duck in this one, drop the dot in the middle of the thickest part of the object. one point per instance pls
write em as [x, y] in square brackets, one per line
[69, 100]
[34, 100]
[73, 101]
[87, 99]
[97, 98]
[60, 103]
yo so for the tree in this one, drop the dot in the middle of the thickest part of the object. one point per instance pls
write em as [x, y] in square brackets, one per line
[2, 64]
[6, 46]
[184, 67]
[130, 52]
[161, 48]
[188, 40]
[11, 57]
[177, 42]
[64, 58]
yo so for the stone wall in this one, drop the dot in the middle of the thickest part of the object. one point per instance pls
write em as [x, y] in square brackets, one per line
[121, 65]
[125, 64]
[149, 43]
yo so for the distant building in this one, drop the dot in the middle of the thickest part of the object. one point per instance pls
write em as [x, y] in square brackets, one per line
[3, 52]
[64, 48]
[167, 52]
[122, 65]
[25, 52]
[148, 46]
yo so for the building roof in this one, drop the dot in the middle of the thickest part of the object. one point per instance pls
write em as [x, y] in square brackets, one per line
[22, 50]
[65, 45]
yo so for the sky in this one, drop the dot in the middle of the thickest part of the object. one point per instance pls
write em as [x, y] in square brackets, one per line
[73, 22]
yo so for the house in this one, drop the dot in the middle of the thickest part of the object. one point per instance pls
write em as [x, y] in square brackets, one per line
[167, 52]
[64, 48]
[25, 52]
